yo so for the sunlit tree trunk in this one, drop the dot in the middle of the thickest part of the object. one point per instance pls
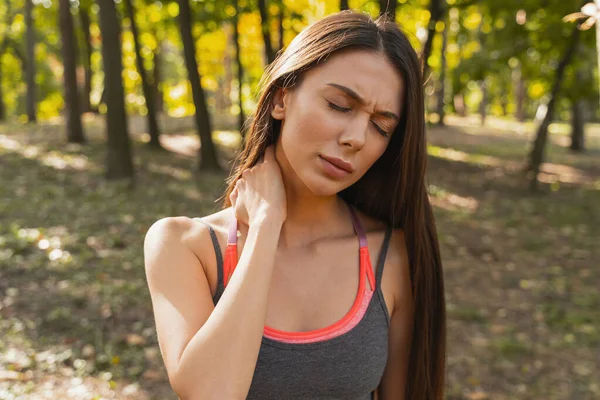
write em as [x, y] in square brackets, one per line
[119, 154]
[208, 154]
[484, 101]
[148, 92]
[240, 69]
[442, 91]
[519, 85]
[157, 79]
[266, 33]
[388, 7]
[536, 156]
[598, 39]
[71, 94]
[2, 106]
[30, 70]
[436, 10]
[84, 19]
[280, 24]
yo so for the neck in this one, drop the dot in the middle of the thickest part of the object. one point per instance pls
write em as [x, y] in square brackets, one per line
[310, 217]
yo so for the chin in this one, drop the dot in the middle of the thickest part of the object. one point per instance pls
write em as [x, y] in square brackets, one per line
[321, 186]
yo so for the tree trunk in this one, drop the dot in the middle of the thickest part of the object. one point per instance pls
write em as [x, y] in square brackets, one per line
[536, 156]
[519, 85]
[208, 154]
[2, 106]
[504, 97]
[388, 7]
[119, 154]
[30, 70]
[577, 126]
[597, 2]
[344, 5]
[436, 10]
[84, 18]
[69, 54]
[240, 69]
[264, 23]
[157, 77]
[442, 92]
[484, 101]
[280, 23]
[148, 92]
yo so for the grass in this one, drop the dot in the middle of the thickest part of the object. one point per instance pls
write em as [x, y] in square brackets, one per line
[75, 313]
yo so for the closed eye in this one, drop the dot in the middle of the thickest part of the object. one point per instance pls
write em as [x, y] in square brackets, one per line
[345, 110]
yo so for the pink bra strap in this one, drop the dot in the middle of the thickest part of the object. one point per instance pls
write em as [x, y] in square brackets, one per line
[362, 238]
[232, 237]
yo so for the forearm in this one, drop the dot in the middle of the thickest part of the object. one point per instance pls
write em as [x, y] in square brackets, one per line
[219, 360]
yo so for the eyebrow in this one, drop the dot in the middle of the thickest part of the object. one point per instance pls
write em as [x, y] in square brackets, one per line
[362, 101]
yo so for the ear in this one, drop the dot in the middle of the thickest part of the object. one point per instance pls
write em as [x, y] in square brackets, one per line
[279, 103]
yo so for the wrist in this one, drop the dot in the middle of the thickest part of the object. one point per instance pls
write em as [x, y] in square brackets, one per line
[267, 220]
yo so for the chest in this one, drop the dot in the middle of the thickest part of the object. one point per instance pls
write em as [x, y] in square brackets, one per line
[312, 288]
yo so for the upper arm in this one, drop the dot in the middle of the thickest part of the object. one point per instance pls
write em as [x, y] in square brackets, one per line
[393, 383]
[179, 289]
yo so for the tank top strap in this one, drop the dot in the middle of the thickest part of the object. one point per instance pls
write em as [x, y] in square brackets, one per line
[383, 254]
[219, 257]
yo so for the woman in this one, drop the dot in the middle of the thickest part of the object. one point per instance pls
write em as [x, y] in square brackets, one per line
[336, 152]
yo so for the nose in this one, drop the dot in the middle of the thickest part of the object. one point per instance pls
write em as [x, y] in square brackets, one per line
[354, 135]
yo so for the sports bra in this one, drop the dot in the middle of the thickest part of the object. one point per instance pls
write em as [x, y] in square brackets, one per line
[345, 360]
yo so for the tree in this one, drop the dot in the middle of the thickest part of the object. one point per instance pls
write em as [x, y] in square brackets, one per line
[69, 54]
[577, 125]
[240, 69]
[388, 7]
[148, 92]
[436, 9]
[157, 73]
[119, 158]
[344, 5]
[208, 154]
[2, 106]
[280, 19]
[536, 156]
[85, 21]
[442, 90]
[30, 70]
[264, 24]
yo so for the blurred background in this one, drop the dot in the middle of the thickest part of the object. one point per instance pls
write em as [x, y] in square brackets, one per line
[104, 105]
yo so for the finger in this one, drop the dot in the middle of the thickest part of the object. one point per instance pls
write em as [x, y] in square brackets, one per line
[233, 196]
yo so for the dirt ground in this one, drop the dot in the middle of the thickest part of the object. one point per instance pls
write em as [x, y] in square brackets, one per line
[521, 269]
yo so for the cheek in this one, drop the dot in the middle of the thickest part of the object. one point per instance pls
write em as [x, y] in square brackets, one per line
[307, 130]
[371, 155]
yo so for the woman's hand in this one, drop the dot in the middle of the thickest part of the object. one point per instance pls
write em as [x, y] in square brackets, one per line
[260, 192]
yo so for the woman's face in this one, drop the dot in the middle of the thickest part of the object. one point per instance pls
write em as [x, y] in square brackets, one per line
[344, 113]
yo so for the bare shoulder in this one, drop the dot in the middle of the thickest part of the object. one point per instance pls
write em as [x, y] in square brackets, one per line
[187, 231]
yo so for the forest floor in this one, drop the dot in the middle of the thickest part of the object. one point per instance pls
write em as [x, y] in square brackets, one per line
[521, 269]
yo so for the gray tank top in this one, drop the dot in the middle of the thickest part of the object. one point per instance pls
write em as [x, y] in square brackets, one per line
[343, 361]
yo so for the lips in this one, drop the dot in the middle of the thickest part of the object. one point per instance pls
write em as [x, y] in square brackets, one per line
[341, 164]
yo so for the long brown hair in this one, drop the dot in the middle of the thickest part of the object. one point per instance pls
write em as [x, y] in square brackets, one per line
[393, 189]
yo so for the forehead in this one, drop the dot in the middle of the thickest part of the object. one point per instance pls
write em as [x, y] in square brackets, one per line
[370, 74]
